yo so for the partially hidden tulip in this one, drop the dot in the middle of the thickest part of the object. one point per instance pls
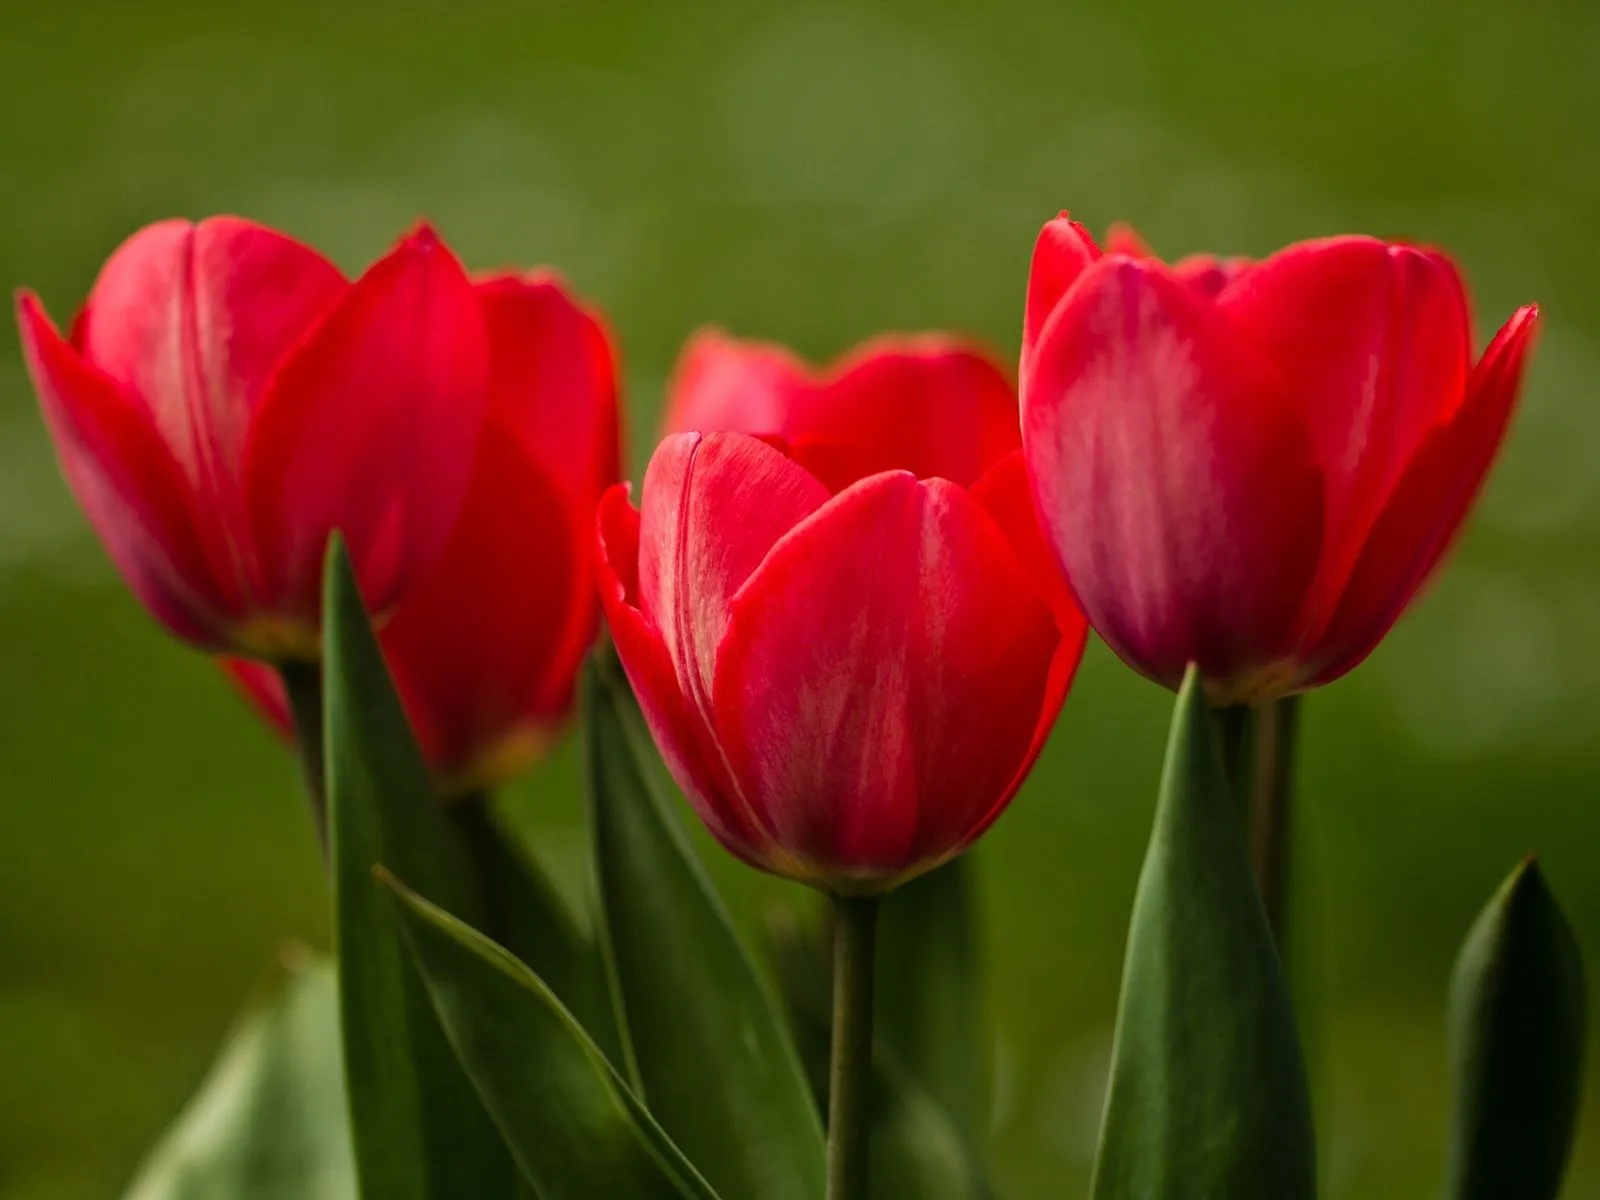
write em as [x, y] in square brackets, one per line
[227, 399]
[841, 621]
[1255, 466]
[485, 653]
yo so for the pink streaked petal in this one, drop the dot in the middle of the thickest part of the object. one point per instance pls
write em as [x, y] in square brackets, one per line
[194, 320]
[1176, 487]
[724, 384]
[1062, 252]
[1426, 511]
[931, 404]
[130, 487]
[679, 732]
[714, 504]
[882, 677]
[371, 428]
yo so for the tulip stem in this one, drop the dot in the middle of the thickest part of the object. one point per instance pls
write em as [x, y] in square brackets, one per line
[1269, 785]
[855, 920]
[302, 684]
[1233, 732]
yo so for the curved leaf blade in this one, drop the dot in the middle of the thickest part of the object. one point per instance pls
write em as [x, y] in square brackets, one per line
[707, 1047]
[523, 912]
[1208, 1090]
[269, 1121]
[1518, 1024]
[419, 1130]
[575, 1128]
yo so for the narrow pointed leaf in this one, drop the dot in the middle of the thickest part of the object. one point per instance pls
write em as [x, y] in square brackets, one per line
[707, 1047]
[419, 1130]
[929, 1010]
[269, 1121]
[577, 1131]
[1517, 1034]
[1208, 1092]
[523, 912]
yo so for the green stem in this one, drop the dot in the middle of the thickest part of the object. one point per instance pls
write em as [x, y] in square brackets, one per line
[1233, 737]
[302, 684]
[1270, 788]
[855, 921]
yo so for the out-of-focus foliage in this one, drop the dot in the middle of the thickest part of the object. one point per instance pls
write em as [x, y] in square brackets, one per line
[813, 172]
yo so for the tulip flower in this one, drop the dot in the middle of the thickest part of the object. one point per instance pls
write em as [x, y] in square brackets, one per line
[1255, 466]
[226, 400]
[845, 633]
[486, 652]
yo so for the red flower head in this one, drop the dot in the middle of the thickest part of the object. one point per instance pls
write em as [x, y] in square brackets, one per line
[844, 631]
[486, 652]
[1255, 465]
[226, 400]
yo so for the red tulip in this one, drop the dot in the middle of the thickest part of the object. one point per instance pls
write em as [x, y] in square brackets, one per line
[485, 653]
[845, 634]
[1255, 466]
[226, 400]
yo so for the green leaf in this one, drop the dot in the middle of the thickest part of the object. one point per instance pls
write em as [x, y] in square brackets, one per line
[269, 1121]
[419, 1130]
[523, 912]
[1517, 1031]
[929, 1011]
[918, 1152]
[707, 1048]
[577, 1131]
[1208, 1092]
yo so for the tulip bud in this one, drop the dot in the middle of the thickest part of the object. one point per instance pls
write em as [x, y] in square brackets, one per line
[1255, 466]
[226, 400]
[844, 632]
[485, 652]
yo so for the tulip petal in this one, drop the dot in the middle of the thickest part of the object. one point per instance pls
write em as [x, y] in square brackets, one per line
[552, 381]
[194, 320]
[371, 428]
[1122, 238]
[931, 405]
[1007, 496]
[714, 504]
[722, 384]
[1426, 511]
[1375, 340]
[262, 689]
[1178, 491]
[1210, 275]
[474, 644]
[680, 733]
[129, 485]
[882, 678]
[1063, 251]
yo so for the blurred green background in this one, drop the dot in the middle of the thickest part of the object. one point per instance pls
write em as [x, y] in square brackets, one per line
[811, 173]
